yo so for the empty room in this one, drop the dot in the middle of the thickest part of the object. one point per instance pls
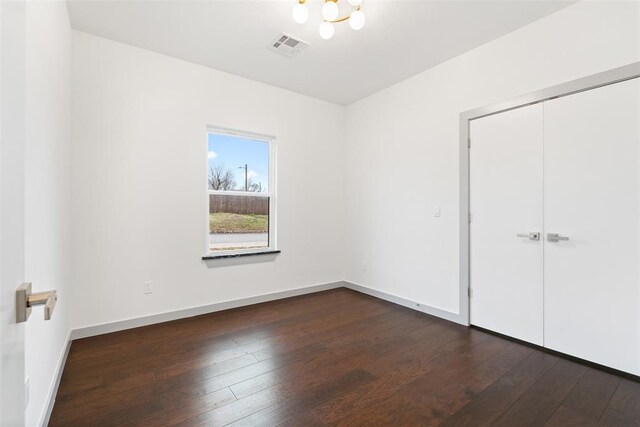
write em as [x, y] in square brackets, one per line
[319, 213]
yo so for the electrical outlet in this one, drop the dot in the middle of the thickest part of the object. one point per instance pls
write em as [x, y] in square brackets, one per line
[364, 266]
[147, 288]
[26, 391]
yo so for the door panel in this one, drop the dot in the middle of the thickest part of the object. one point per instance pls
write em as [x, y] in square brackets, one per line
[506, 200]
[592, 195]
[12, 131]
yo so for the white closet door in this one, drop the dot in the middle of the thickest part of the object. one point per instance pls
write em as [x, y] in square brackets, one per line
[506, 200]
[592, 194]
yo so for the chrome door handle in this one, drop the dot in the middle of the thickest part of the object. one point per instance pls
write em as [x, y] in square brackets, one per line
[534, 235]
[25, 299]
[555, 237]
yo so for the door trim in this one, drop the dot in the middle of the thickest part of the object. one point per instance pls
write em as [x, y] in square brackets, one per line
[594, 81]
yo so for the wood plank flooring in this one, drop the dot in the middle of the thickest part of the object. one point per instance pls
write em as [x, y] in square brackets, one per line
[331, 358]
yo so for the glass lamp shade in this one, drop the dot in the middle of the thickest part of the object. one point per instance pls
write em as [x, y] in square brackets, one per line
[326, 30]
[356, 20]
[300, 13]
[330, 10]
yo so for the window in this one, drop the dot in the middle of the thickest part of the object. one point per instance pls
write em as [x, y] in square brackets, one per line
[241, 192]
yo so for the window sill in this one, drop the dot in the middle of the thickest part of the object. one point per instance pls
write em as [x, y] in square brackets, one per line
[239, 255]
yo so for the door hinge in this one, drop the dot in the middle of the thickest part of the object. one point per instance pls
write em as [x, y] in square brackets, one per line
[469, 292]
[468, 142]
[469, 217]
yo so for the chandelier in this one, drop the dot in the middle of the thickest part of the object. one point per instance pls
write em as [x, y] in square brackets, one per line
[330, 16]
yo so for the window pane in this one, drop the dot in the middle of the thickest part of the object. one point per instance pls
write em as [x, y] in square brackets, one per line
[238, 164]
[238, 222]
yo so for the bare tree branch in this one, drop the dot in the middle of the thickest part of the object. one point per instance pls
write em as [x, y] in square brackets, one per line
[221, 178]
[254, 187]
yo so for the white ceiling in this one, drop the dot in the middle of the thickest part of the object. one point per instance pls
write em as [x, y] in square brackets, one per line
[400, 38]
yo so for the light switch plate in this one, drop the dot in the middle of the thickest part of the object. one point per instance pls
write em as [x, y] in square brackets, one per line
[437, 211]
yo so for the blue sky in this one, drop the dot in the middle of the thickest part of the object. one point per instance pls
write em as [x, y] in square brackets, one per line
[234, 152]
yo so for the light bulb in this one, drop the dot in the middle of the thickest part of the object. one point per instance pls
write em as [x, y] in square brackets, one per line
[326, 30]
[330, 10]
[300, 13]
[355, 3]
[356, 20]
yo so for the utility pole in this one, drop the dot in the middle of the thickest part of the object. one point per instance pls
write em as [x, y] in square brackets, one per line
[246, 176]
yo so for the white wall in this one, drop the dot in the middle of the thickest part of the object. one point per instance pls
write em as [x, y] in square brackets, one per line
[403, 143]
[47, 192]
[139, 183]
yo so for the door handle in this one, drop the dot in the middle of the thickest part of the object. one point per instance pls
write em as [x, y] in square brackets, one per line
[555, 237]
[534, 235]
[25, 299]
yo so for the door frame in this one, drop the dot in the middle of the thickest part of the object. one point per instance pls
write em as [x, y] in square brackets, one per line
[605, 78]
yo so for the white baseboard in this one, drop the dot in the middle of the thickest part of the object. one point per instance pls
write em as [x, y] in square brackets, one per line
[55, 383]
[447, 315]
[121, 325]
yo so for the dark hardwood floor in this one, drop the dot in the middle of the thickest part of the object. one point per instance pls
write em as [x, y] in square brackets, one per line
[332, 358]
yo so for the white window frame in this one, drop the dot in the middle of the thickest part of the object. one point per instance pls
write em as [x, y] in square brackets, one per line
[271, 194]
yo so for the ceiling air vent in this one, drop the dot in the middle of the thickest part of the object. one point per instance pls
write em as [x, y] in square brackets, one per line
[287, 45]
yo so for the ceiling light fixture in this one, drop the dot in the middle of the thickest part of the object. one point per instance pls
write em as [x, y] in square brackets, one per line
[330, 10]
[300, 12]
[326, 30]
[330, 16]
